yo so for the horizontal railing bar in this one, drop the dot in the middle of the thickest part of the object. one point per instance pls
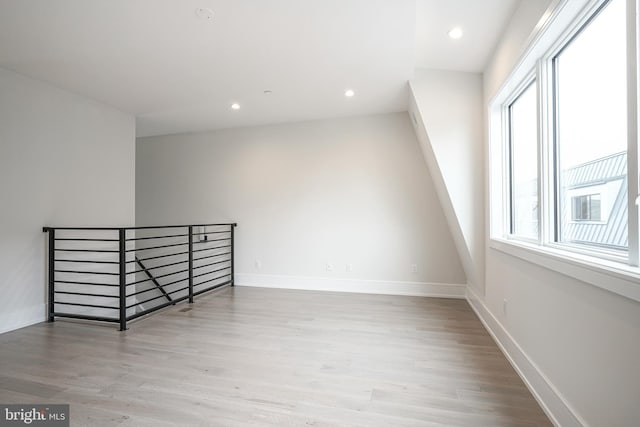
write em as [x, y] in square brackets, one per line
[159, 256]
[74, 282]
[210, 249]
[159, 277]
[212, 271]
[213, 263]
[156, 227]
[211, 232]
[45, 229]
[213, 240]
[146, 301]
[77, 304]
[211, 280]
[157, 307]
[159, 237]
[157, 247]
[160, 266]
[83, 317]
[87, 250]
[233, 224]
[86, 261]
[86, 294]
[177, 290]
[159, 227]
[160, 296]
[69, 239]
[212, 256]
[102, 273]
[166, 284]
[149, 289]
[177, 235]
[201, 291]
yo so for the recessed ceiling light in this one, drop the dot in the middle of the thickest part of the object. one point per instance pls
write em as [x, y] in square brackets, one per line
[267, 92]
[204, 13]
[235, 106]
[455, 33]
[349, 93]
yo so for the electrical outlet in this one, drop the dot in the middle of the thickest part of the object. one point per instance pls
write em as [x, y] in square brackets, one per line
[329, 267]
[414, 268]
[348, 268]
[258, 264]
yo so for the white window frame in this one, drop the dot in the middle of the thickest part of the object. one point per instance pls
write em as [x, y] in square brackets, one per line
[603, 268]
[529, 80]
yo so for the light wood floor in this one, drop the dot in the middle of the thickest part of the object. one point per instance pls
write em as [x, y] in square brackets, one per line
[249, 356]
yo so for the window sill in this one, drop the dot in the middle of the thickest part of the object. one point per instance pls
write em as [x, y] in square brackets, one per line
[587, 222]
[609, 275]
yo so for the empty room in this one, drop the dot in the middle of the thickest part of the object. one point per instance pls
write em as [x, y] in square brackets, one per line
[320, 213]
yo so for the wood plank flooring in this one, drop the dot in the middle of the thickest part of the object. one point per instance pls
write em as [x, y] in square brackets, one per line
[270, 357]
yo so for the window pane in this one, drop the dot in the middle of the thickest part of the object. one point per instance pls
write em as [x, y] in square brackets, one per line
[585, 208]
[524, 165]
[591, 140]
[594, 207]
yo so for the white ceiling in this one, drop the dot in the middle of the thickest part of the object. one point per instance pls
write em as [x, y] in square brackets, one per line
[178, 73]
[482, 22]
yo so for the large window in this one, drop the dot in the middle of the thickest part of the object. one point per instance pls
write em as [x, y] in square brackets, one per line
[567, 141]
[590, 88]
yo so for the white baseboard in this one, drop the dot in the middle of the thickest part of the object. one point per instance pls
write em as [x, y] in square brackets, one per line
[552, 402]
[15, 319]
[439, 290]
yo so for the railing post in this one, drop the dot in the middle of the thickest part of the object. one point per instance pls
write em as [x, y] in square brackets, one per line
[52, 268]
[233, 246]
[123, 279]
[190, 264]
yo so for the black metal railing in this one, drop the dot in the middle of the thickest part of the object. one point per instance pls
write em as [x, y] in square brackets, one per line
[120, 274]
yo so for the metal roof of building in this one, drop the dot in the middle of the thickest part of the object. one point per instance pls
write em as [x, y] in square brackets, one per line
[597, 171]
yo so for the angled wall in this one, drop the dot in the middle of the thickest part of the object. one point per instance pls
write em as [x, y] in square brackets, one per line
[446, 108]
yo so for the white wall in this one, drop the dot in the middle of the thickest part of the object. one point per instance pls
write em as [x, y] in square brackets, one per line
[447, 106]
[576, 344]
[64, 160]
[350, 191]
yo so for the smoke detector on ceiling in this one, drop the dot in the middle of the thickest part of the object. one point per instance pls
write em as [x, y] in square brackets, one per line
[204, 13]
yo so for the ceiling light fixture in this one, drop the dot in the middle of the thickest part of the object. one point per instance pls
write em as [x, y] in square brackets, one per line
[235, 106]
[455, 33]
[267, 92]
[349, 93]
[204, 13]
